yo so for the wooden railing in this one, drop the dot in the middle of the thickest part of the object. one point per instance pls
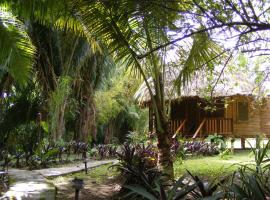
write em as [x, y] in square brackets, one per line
[219, 125]
[207, 126]
[174, 125]
[199, 130]
[179, 129]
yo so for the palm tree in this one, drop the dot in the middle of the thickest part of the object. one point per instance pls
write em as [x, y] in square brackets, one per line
[132, 30]
[57, 56]
[68, 68]
[89, 74]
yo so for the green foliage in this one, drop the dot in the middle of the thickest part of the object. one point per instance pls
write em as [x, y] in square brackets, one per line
[226, 154]
[200, 55]
[45, 153]
[115, 106]
[217, 140]
[117, 98]
[18, 108]
[45, 126]
[135, 137]
[17, 51]
[180, 189]
[260, 154]
[252, 181]
[26, 138]
[57, 103]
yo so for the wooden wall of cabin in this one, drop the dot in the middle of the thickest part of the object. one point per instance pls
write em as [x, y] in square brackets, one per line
[265, 117]
[248, 127]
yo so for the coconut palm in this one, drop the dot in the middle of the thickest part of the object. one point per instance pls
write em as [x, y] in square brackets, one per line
[134, 31]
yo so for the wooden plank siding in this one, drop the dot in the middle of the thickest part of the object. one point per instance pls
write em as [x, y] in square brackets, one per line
[258, 121]
[265, 117]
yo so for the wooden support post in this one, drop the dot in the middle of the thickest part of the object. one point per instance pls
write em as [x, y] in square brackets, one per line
[243, 143]
[232, 145]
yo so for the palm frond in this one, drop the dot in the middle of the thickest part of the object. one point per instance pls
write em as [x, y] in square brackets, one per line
[17, 52]
[120, 26]
[201, 55]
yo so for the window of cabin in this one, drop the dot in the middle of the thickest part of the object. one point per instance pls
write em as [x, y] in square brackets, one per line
[242, 111]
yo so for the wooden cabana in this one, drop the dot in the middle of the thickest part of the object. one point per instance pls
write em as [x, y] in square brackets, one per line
[232, 110]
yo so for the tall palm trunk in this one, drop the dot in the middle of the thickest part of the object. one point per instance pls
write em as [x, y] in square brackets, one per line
[60, 128]
[87, 120]
[109, 132]
[165, 163]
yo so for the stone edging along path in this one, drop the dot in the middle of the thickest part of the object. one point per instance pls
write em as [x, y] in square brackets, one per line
[33, 185]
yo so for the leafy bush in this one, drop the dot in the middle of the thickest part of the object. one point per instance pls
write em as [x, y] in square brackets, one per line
[186, 187]
[103, 151]
[200, 148]
[136, 164]
[251, 181]
[44, 154]
[182, 148]
[136, 137]
[217, 140]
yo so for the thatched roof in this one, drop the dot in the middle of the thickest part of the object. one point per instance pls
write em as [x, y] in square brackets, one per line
[201, 85]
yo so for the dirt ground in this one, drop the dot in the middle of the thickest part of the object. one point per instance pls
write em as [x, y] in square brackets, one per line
[93, 189]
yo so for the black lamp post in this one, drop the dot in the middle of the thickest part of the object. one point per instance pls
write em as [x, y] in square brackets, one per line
[85, 165]
[78, 185]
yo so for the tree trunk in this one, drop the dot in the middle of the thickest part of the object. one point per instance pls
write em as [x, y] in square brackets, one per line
[109, 133]
[165, 163]
[87, 119]
[60, 126]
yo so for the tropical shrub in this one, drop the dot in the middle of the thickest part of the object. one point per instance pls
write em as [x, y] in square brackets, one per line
[251, 181]
[136, 137]
[186, 187]
[44, 154]
[201, 148]
[217, 140]
[103, 151]
[137, 165]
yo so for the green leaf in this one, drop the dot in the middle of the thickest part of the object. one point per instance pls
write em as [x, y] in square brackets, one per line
[17, 53]
[141, 191]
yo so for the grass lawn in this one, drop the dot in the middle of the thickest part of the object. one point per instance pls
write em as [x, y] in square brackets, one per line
[98, 174]
[212, 167]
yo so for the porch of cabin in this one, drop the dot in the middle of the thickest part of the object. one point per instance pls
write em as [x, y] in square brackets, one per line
[190, 119]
